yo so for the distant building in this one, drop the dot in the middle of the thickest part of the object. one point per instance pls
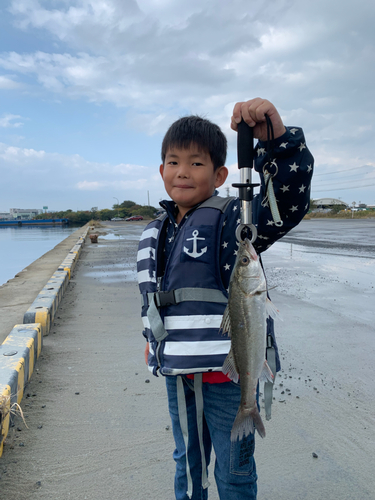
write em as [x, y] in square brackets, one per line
[4, 215]
[329, 202]
[24, 213]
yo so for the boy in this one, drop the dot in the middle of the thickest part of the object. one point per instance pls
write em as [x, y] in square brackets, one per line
[185, 261]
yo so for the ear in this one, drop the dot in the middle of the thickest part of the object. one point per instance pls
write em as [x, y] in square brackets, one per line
[161, 170]
[221, 176]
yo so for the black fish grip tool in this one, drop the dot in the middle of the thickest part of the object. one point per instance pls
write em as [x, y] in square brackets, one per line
[245, 155]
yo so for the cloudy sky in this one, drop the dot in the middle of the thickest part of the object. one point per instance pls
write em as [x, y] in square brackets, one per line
[88, 88]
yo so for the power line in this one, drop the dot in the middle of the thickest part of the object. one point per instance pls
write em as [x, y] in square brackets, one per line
[348, 176]
[341, 189]
[343, 182]
[346, 170]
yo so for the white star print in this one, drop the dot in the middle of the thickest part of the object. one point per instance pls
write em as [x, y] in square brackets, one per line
[261, 151]
[302, 189]
[302, 146]
[227, 267]
[235, 208]
[225, 244]
[293, 168]
[238, 221]
[224, 223]
[235, 252]
[294, 208]
[306, 206]
[285, 188]
[263, 237]
[283, 144]
[309, 168]
[270, 223]
[293, 130]
[170, 239]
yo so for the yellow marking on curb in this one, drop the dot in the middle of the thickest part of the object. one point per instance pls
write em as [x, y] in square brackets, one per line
[4, 415]
[44, 318]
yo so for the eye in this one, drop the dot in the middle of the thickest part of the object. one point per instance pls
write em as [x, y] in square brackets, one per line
[245, 261]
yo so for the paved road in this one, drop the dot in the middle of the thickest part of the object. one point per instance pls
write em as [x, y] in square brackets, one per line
[98, 421]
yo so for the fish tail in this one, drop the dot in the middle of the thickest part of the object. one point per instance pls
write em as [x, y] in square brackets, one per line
[245, 422]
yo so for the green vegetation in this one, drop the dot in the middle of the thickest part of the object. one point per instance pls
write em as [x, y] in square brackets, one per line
[342, 214]
[123, 210]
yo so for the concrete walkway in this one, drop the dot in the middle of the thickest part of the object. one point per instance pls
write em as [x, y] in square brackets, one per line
[98, 421]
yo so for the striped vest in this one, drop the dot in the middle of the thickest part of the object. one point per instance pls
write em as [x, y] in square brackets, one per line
[182, 310]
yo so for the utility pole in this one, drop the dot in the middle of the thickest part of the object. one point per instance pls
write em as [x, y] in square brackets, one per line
[118, 203]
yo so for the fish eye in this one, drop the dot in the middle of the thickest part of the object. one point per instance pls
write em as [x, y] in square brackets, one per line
[245, 261]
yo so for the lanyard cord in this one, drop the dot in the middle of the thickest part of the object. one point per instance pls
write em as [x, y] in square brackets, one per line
[269, 198]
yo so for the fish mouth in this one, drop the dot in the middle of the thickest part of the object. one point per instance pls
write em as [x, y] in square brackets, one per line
[251, 250]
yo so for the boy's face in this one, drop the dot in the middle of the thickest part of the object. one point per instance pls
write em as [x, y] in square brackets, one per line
[189, 177]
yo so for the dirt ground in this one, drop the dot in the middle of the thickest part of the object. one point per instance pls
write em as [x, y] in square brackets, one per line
[98, 425]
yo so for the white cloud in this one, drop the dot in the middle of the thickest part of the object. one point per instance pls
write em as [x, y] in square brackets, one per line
[160, 59]
[56, 175]
[7, 121]
[7, 83]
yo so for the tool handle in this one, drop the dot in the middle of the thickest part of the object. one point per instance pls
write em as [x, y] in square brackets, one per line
[245, 145]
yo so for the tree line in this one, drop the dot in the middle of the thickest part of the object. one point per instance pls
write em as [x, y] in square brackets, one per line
[125, 209]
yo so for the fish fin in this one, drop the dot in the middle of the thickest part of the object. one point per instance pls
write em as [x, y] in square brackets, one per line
[266, 374]
[225, 323]
[272, 310]
[229, 368]
[245, 423]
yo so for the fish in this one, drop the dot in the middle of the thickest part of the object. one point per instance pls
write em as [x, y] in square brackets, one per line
[245, 321]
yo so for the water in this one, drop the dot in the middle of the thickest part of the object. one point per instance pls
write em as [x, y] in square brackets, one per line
[20, 246]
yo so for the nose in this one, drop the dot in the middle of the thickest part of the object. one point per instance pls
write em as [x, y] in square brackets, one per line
[183, 171]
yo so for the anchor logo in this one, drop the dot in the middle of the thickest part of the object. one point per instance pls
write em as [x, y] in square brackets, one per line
[195, 239]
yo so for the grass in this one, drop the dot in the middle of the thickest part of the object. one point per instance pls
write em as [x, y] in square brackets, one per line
[361, 214]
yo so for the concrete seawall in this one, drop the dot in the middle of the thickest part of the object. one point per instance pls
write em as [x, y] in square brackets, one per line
[28, 305]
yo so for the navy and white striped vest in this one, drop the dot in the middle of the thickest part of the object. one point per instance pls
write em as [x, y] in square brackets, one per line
[193, 342]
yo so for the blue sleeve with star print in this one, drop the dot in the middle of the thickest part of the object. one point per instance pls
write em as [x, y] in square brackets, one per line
[292, 164]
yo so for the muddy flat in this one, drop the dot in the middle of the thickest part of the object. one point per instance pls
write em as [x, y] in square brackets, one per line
[98, 420]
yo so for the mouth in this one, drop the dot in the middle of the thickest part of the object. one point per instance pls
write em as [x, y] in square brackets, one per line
[183, 186]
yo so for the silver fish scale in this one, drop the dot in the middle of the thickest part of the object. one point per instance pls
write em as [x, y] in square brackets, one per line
[245, 319]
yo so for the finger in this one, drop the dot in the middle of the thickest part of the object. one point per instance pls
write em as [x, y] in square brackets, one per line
[233, 124]
[245, 112]
[258, 110]
[237, 117]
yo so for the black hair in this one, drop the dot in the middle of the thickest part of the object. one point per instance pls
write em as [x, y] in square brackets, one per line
[196, 130]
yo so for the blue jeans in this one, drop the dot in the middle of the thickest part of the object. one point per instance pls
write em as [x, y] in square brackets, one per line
[235, 471]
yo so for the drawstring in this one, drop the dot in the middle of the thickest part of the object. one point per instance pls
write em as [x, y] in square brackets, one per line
[199, 407]
[182, 413]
